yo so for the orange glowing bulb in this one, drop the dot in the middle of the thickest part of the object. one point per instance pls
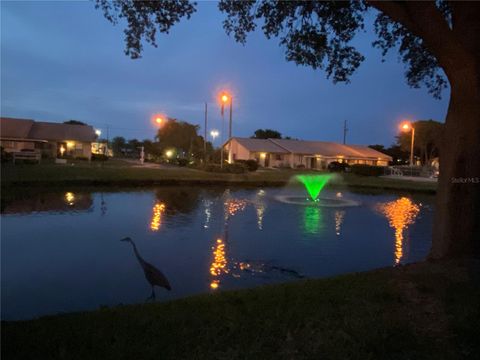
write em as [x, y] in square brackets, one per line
[406, 127]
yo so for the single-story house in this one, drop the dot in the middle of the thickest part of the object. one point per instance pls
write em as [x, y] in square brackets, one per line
[50, 139]
[300, 153]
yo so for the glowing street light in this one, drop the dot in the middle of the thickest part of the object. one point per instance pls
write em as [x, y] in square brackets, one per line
[214, 134]
[226, 98]
[407, 126]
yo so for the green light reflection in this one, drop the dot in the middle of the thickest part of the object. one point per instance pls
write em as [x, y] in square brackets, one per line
[312, 219]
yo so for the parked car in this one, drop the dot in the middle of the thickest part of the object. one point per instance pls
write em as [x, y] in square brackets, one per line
[336, 166]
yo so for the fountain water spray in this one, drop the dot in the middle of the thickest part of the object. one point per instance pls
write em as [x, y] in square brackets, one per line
[314, 184]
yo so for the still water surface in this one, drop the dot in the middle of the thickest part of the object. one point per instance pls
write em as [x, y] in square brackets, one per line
[61, 251]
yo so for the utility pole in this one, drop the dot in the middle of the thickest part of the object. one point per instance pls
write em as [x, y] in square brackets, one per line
[345, 129]
[205, 137]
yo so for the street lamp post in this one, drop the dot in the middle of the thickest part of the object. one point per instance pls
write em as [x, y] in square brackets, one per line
[407, 127]
[225, 99]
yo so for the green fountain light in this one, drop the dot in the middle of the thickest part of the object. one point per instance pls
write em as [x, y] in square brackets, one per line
[314, 184]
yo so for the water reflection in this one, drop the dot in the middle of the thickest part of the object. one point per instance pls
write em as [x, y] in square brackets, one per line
[178, 200]
[103, 205]
[223, 265]
[158, 210]
[69, 198]
[339, 216]
[312, 219]
[208, 212]
[232, 206]
[260, 207]
[192, 258]
[153, 275]
[401, 214]
[27, 202]
[219, 263]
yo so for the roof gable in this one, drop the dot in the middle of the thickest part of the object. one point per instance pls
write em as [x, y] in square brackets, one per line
[260, 145]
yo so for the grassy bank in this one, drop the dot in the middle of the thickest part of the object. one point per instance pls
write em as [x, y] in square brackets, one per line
[117, 173]
[421, 311]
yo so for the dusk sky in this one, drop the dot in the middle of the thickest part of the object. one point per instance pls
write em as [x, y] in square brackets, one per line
[64, 60]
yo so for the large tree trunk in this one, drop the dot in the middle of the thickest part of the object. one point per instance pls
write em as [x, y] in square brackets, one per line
[456, 231]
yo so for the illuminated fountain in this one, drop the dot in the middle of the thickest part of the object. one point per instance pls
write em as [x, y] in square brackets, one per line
[314, 185]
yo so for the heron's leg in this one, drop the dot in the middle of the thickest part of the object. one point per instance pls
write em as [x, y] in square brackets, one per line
[152, 295]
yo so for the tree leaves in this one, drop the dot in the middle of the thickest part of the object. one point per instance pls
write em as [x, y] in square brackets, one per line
[314, 33]
[144, 19]
[421, 66]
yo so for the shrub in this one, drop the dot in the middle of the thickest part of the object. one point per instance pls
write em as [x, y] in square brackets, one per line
[99, 157]
[227, 168]
[6, 156]
[367, 170]
[251, 165]
[236, 168]
[182, 162]
[336, 166]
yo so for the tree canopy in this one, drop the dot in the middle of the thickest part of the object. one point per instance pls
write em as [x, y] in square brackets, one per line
[266, 134]
[181, 136]
[74, 122]
[427, 142]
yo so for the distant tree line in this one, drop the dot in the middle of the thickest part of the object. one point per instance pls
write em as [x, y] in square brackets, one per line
[179, 139]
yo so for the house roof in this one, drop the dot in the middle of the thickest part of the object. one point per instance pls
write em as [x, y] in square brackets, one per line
[38, 130]
[260, 145]
[57, 131]
[322, 148]
[15, 128]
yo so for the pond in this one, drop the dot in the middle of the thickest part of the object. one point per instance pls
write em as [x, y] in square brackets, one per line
[62, 250]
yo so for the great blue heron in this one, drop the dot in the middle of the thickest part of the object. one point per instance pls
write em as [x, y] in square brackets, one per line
[152, 274]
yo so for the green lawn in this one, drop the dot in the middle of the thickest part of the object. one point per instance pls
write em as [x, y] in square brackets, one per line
[420, 311]
[119, 173]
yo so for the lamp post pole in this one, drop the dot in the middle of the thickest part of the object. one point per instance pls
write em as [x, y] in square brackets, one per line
[230, 120]
[411, 146]
[221, 138]
[205, 138]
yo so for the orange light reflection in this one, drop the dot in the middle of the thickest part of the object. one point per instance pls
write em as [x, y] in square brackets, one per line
[158, 209]
[400, 214]
[219, 263]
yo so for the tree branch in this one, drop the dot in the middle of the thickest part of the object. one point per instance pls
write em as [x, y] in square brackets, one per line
[425, 21]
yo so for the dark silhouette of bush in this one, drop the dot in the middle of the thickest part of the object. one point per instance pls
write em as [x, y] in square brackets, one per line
[99, 157]
[251, 165]
[367, 170]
